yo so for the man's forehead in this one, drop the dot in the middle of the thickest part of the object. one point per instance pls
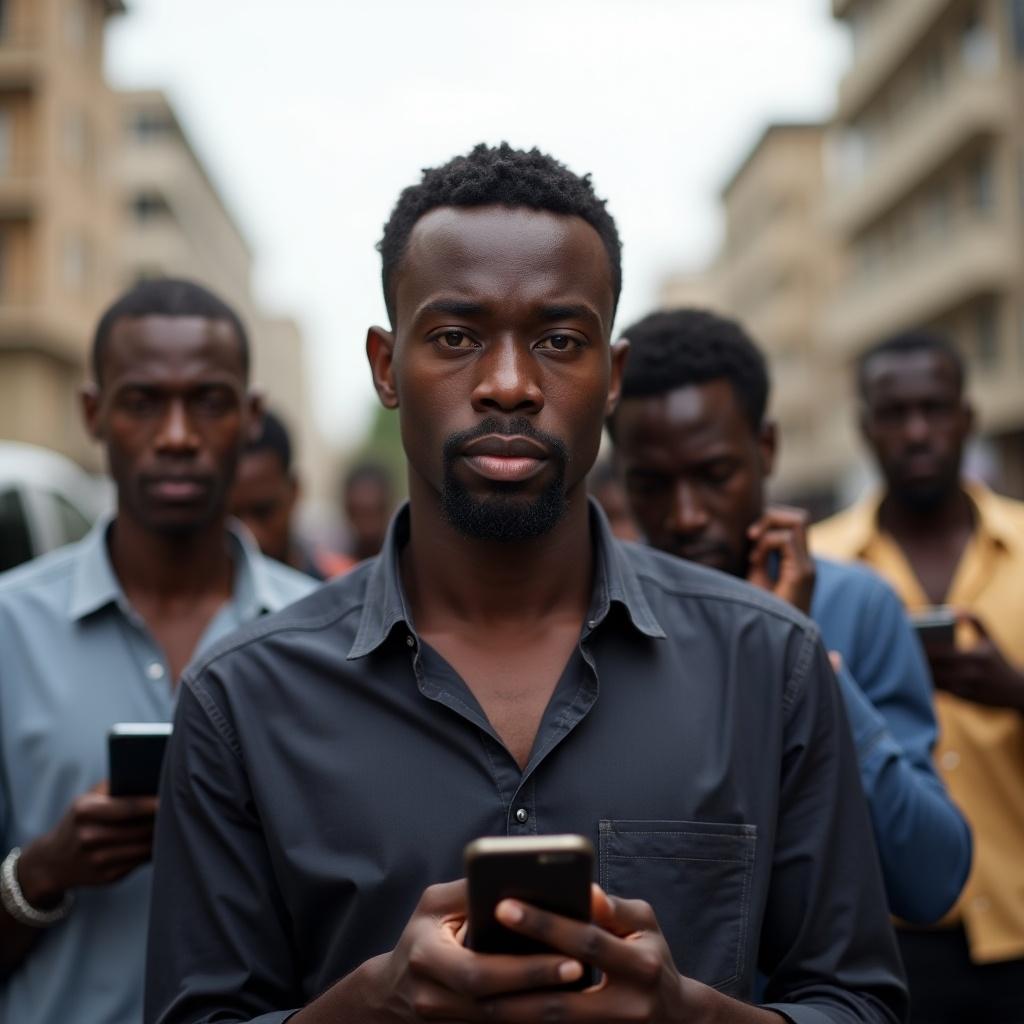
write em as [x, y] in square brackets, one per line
[909, 371]
[164, 344]
[708, 406]
[454, 247]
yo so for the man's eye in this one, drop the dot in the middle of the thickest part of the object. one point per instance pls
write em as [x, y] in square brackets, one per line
[139, 403]
[213, 402]
[559, 343]
[455, 340]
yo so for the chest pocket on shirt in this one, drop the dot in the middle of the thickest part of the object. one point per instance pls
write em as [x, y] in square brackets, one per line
[697, 877]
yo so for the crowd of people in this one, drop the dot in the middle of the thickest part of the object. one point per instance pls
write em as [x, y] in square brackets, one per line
[804, 808]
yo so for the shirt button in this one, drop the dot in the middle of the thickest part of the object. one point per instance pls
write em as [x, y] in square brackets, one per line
[409, 641]
[592, 624]
[521, 815]
[950, 760]
[155, 670]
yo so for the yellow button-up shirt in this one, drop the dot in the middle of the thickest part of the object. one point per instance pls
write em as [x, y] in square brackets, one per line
[980, 753]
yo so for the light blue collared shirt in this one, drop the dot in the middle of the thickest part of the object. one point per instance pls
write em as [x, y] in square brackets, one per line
[75, 658]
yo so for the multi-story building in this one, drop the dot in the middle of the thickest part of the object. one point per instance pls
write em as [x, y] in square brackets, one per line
[176, 223]
[928, 196]
[58, 215]
[775, 272]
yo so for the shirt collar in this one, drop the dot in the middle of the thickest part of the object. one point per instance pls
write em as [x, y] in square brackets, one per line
[992, 518]
[615, 582]
[864, 527]
[95, 584]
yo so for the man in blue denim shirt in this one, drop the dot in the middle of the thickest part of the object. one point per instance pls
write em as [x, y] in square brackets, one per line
[695, 448]
[100, 631]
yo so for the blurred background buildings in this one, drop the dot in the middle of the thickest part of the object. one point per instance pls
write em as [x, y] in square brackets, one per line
[903, 207]
[97, 189]
[905, 210]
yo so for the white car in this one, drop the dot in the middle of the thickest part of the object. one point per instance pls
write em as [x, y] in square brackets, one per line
[46, 500]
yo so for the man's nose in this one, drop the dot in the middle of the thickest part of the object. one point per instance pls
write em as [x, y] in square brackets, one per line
[508, 379]
[687, 515]
[177, 433]
[916, 429]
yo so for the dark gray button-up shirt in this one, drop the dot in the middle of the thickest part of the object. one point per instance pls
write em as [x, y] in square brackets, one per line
[327, 766]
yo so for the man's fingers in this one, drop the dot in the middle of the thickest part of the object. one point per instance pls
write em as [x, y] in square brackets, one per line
[586, 942]
[95, 836]
[96, 807]
[444, 898]
[486, 974]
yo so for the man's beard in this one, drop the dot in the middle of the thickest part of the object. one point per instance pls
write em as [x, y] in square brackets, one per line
[504, 515]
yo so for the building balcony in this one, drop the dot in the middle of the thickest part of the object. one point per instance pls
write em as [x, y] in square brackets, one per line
[919, 288]
[21, 64]
[969, 109]
[18, 197]
[891, 35]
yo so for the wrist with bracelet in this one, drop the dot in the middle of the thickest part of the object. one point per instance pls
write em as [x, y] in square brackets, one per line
[18, 907]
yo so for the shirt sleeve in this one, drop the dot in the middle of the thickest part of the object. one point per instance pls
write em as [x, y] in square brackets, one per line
[827, 945]
[923, 841]
[219, 946]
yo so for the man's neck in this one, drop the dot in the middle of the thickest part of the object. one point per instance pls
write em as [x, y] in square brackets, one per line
[951, 514]
[168, 566]
[451, 578]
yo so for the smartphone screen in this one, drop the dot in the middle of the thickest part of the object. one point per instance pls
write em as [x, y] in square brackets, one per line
[550, 872]
[135, 752]
[936, 627]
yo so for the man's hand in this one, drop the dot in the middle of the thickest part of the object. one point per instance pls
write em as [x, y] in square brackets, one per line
[980, 674]
[431, 975]
[99, 840]
[783, 530]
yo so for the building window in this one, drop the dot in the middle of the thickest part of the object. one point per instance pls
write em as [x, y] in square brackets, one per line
[6, 141]
[76, 23]
[149, 207]
[986, 328]
[1017, 17]
[147, 125]
[76, 140]
[75, 260]
[979, 49]
[982, 185]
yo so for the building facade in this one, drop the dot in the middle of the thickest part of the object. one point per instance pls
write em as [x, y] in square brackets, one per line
[927, 196]
[58, 215]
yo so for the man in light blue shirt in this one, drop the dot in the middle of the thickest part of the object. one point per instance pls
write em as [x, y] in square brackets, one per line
[695, 449]
[99, 633]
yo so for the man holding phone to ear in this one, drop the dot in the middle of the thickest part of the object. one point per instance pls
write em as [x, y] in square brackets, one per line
[99, 633]
[507, 668]
[695, 449]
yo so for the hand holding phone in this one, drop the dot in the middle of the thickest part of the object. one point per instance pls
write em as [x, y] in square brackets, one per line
[553, 873]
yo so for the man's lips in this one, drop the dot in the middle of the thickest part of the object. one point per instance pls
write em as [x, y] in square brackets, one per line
[506, 459]
[176, 489]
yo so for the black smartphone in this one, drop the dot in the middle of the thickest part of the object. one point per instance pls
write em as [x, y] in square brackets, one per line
[550, 872]
[936, 626]
[135, 753]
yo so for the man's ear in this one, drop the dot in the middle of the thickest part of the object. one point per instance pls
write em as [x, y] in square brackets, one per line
[620, 350]
[89, 402]
[380, 351]
[768, 445]
[255, 404]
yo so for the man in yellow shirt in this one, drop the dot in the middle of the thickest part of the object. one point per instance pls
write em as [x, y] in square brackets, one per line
[942, 541]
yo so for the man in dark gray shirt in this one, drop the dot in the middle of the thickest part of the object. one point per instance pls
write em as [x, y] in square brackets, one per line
[506, 667]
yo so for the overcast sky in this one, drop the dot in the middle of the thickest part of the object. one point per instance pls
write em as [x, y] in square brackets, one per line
[313, 114]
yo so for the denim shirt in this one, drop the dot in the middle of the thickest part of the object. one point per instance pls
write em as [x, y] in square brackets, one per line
[75, 658]
[327, 765]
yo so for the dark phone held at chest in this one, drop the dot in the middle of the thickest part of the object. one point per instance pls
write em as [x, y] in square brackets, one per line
[136, 752]
[553, 873]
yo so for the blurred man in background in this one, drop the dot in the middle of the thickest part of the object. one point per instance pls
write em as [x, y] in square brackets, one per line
[696, 450]
[265, 496]
[99, 633]
[367, 500]
[943, 541]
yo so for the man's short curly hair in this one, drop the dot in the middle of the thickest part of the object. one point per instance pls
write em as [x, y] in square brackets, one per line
[683, 347]
[493, 175]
